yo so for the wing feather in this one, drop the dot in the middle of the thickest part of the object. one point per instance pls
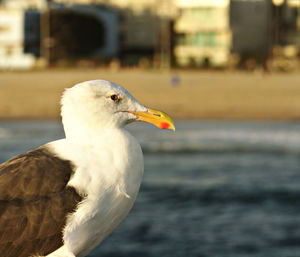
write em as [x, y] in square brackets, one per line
[34, 203]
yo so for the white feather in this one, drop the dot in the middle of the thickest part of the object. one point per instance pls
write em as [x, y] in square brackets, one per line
[108, 161]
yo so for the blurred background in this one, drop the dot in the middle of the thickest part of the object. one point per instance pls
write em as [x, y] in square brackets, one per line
[227, 182]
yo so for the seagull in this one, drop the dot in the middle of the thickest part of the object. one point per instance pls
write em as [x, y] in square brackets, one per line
[65, 197]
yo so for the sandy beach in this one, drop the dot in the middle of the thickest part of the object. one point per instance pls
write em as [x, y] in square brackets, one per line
[198, 95]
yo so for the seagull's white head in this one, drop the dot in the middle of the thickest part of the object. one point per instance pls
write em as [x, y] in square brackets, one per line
[99, 104]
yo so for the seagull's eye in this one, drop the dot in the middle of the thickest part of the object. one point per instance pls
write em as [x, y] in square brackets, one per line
[114, 97]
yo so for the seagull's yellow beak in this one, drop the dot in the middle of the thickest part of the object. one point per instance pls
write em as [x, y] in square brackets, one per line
[157, 118]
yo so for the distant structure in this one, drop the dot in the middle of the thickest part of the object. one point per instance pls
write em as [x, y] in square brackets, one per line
[19, 34]
[293, 10]
[252, 37]
[202, 31]
[74, 32]
[145, 30]
[286, 39]
[273, 33]
[30, 29]
[156, 33]
[139, 29]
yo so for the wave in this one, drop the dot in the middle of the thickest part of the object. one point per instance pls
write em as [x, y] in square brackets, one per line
[190, 137]
[220, 194]
[202, 148]
[223, 140]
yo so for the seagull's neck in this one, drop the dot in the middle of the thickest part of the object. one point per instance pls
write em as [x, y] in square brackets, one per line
[91, 135]
[88, 126]
[114, 149]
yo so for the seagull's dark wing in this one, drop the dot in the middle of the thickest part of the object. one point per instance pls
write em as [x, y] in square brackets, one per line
[34, 203]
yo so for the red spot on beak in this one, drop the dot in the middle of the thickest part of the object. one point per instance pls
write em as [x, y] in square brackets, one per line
[164, 125]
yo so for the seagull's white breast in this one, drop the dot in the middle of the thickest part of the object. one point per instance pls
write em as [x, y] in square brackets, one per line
[108, 171]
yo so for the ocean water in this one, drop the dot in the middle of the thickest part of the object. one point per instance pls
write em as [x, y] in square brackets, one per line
[211, 189]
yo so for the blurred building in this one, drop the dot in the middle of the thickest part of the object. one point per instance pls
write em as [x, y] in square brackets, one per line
[251, 24]
[145, 30]
[190, 32]
[290, 24]
[139, 29]
[273, 34]
[30, 29]
[87, 29]
[74, 32]
[203, 35]
[286, 34]
[19, 33]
